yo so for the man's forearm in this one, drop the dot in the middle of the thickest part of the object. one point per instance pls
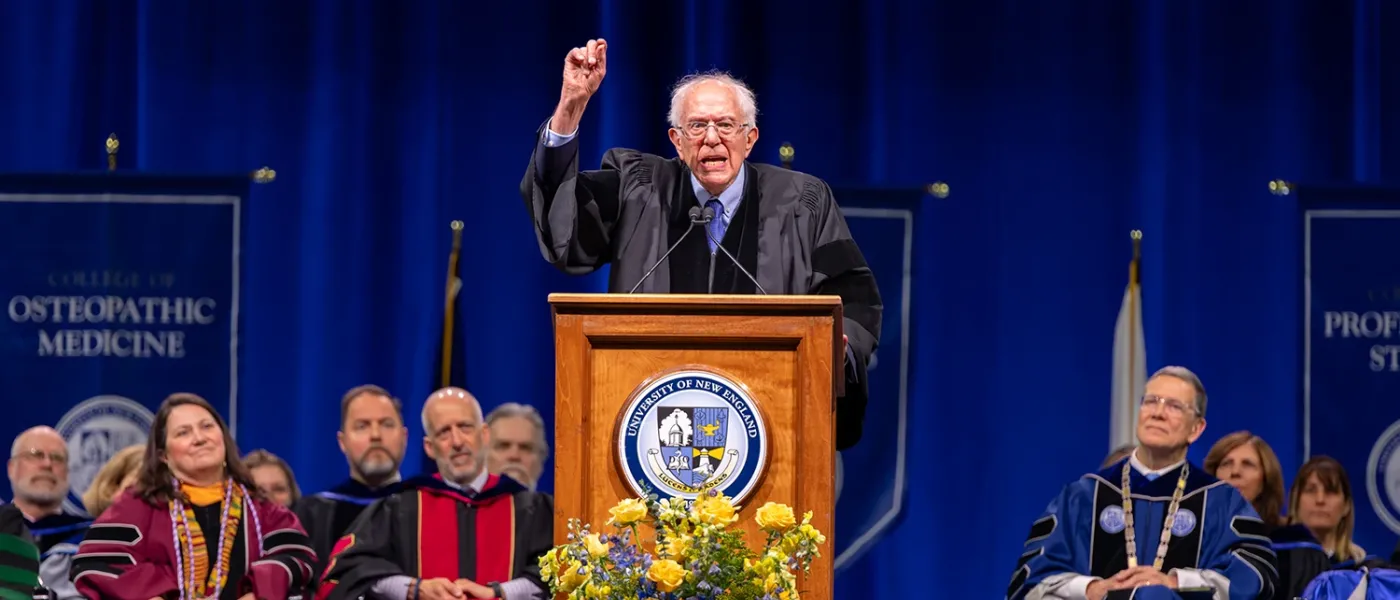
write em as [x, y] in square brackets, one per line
[567, 115]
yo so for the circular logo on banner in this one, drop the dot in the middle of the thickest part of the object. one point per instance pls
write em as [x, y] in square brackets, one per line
[1383, 477]
[96, 429]
[690, 432]
[1111, 519]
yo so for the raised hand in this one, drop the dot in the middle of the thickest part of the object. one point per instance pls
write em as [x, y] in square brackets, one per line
[584, 69]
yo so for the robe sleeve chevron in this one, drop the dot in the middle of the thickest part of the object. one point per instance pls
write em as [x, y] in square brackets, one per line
[19, 557]
[287, 563]
[1078, 538]
[129, 554]
[1054, 561]
[1237, 558]
[117, 560]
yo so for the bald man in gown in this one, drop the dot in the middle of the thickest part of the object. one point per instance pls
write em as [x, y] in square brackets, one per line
[463, 533]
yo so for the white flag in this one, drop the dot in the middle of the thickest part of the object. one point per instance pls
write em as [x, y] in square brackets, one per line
[1129, 364]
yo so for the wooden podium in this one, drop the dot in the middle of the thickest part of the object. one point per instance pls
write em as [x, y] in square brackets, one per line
[662, 392]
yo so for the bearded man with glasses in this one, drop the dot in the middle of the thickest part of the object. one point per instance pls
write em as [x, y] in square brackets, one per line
[1151, 525]
[38, 471]
[756, 228]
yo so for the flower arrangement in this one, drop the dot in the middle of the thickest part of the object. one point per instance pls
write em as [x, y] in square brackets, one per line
[697, 554]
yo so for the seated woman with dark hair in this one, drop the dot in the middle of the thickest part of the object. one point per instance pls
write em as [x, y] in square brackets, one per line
[194, 527]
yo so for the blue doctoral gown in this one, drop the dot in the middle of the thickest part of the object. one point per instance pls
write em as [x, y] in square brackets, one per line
[1218, 540]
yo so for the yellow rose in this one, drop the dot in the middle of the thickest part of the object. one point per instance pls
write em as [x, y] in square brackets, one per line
[677, 545]
[627, 512]
[715, 510]
[596, 547]
[666, 574]
[571, 578]
[775, 517]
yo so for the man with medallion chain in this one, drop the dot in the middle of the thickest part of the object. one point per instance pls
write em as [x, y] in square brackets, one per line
[1150, 525]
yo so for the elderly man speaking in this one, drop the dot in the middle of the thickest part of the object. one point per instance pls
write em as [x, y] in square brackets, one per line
[708, 221]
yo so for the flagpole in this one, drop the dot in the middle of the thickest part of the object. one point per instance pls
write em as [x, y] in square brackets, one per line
[449, 303]
[1135, 280]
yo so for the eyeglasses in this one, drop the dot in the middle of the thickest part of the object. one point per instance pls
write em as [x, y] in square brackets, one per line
[725, 128]
[1173, 406]
[35, 455]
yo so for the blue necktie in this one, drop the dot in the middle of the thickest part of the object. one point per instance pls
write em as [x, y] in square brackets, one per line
[1151, 476]
[716, 225]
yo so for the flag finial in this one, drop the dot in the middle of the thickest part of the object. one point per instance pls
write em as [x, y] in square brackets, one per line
[1136, 235]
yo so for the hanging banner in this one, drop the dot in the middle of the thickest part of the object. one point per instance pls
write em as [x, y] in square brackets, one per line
[1351, 349]
[870, 477]
[119, 291]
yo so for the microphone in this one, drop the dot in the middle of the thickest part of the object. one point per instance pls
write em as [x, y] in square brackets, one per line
[694, 220]
[709, 215]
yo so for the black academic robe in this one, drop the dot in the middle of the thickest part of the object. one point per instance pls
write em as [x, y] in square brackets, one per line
[1300, 559]
[327, 515]
[430, 529]
[787, 231]
[57, 537]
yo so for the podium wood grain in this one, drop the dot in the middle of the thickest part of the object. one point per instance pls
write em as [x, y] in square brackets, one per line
[786, 353]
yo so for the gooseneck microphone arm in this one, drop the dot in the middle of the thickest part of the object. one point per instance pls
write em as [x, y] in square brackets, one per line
[695, 219]
[705, 217]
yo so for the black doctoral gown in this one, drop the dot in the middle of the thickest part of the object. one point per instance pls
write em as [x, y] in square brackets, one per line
[787, 231]
[1300, 559]
[327, 515]
[429, 530]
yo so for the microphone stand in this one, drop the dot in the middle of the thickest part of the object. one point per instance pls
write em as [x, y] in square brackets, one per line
[705, 217]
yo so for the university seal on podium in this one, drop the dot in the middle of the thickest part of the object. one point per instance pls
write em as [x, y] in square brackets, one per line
[96, 429]
[1383, 477]
[689, 432]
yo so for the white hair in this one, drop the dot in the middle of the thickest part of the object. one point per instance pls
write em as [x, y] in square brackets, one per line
[747, 101]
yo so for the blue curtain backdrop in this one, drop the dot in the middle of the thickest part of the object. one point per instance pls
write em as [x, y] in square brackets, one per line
[1059, 127]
